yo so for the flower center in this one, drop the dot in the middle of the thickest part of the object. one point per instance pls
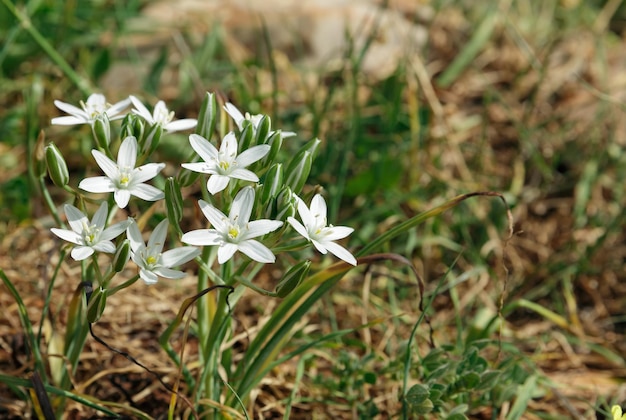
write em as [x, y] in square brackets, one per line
[233, 232]
[125, 177]
[91, 235]
[224, 165]
[161, 116]
[151, 260]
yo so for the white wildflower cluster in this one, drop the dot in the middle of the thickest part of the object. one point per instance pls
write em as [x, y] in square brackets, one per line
[250, 202]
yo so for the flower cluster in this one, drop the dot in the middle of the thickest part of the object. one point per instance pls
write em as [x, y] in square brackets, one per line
[260, 195]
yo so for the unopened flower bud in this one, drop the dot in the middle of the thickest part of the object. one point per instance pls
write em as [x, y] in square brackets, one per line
[57, 168]
[292, 278]
[122, 255]
[262, 130]
[151, 140]
[101, 130]
[132, 125]
[275, 141]
[245, 138]
[96, 304]
[273, 183]
[286, 204]
[207, 116]
[297, 174]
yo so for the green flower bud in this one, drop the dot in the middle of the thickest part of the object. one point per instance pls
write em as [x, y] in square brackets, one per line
[122, 255]
[151, 140]
[262, 130]
[300, 165]
[207, 117]
[292, 278]
[272, 183]
[173, 200]
[133, 125]
[101, 130]
[57, 168]
[245, 138]
[285, 204]
[297, 174]
[275, 141]
[96, 304]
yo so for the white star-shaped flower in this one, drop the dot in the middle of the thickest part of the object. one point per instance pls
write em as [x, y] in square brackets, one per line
[150, 259]
[224, 164]
[89, 237]
[162, 116]
[122, 178]
[239, 119]
[235, 232]
[95, 106]
[317, 230]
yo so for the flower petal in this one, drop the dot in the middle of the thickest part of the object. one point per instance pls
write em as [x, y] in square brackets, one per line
[127, 155]
[299, 227]
[72, 110]
[67, 120]
[104, 246]
[118, 107]
[203, 147]
[229, 146]
[148, 276]
[141, 110]
[157, 239]
[244, 174]
[253, 154]
[181, 125]
[168, 273]
[100, 218]
[214, 216]
[146, 172]
[146, 192]
[336, 232]
[318, 206]
[122, 197]
[77, 220]
[115, 230]
[177, 256]
[79, 253]
[201, 167]
[241, 208]
[257, 251]
[109, 167]
[97, 184]
[225, 252]
[217, 183]
[68, 235]
[235, 114]
[202, 237]
[134, 236]
[340, 252]
[261, 227]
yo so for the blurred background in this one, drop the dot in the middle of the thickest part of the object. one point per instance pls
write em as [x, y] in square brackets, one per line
[416, 102]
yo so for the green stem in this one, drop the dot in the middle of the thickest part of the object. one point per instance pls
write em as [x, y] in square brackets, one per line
[80, 82]
[124, 285]
[50, 203]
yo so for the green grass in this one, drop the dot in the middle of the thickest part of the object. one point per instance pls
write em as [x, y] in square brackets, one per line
[384, 159]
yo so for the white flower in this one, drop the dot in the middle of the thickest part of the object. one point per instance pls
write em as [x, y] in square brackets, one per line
[234, 232]
[224, 164]
[239, 119]
[96, 106]
[89, 236]
[122, 178]
[316, 229]
[162, 116]
[151, 261]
